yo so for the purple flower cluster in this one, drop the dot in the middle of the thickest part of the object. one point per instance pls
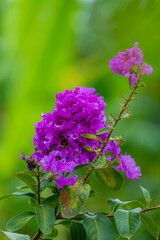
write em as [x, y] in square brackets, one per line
[59, 141]
[58, 136]
[125, 62]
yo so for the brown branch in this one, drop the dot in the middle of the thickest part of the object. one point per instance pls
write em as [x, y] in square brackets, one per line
[38, 234]
[123, 108]
[110, 215]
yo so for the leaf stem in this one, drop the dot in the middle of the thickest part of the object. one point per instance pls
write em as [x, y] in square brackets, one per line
[38, 234]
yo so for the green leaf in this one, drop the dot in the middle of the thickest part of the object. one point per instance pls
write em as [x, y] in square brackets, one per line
[94, 194]
[88, 149]
[114, 204]
[52, 201]
[118, 139]
[22, 187]
[98, 227]
[45, 217]
[110, 178]
[27, 194]
[13, 236]
[28, 179]
[99, 162]
[151, 226]
[127, 222]
[51, 236]
[44, 185]
[66, 223]
[80, 166]
[103, 130]
[32, 202]
[145, 193]
[91, 136]
[19, 221]
[73, 199]
[77, 231]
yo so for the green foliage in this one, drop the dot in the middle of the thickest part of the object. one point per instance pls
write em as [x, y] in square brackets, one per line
[88, 149]
[146, 194]
[127, 222]
[110, 178]
[13, 236]
[28, 179]
[77, 231]
[114, 204]
[99, 162]
[150, 225]
[73, 199]
[91, 136]
[98, 227]
[52, 201]
[103, 130]
[19, 221]
[45, 218]
[19, 194]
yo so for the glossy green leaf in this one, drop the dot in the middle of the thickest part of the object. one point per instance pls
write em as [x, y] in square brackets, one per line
[19, 221]
[103, 130]
[77, 231]
[27, 194]
[98, 227]
[52, 201]
[116, 203]
[45, 217]
[110, 178]
[13, 236]
[145, 193]
[91, 136]
[99, 162]
[88, 149]
[94, 194]
[127, 222]
[150, 225]
[28, 179]
[80, 166]
[73, 199]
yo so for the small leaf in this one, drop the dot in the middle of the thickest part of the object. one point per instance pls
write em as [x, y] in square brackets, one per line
[127, 222]
[52, 235]
[45, 217]
[88, 149]
[94, 194]
[22, 187]
[98, 227]
[91, 136]
[27, 194]
[99, 162]
[145, 193]
[28, 179]
[44, 185]
[103, 130]
[118, 139]
[151, 226]
[77, 231]
[114, 204]
[110, 178]
[80, 166]
[73, 199]
[19, 221]
[52, 201]
[13, 236]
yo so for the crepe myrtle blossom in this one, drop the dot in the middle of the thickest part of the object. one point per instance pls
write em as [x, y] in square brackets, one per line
[129, 63]
[58, 139]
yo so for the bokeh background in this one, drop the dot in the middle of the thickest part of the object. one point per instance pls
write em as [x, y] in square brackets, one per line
[47, 46]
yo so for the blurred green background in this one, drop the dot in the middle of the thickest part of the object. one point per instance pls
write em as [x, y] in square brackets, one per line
[47, 46]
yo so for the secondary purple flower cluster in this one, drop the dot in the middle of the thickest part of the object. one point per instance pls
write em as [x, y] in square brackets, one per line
[123, 64]
[59, 141]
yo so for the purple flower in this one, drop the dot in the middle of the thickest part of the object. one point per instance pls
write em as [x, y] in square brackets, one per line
[129, 166]
[58, 140]
[125, 61]
[62, 181]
